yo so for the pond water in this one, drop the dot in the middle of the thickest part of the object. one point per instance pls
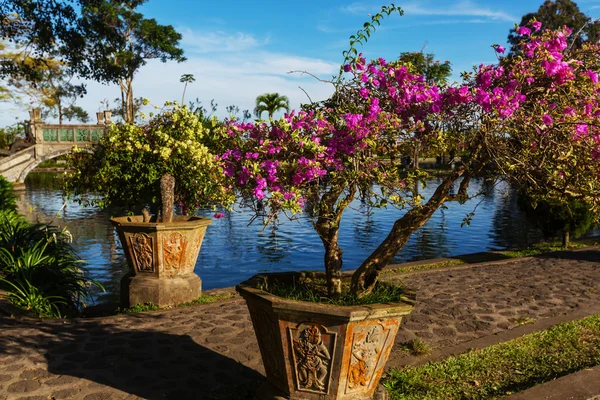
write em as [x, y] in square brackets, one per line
[233, 250]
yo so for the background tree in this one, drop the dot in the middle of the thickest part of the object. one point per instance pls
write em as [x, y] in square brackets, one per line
[119, 41]
[554, 14]
[186, 78]
[271, 103]
[419, 63]
[118, 110]
[553, 218]
[9, 134]
[41, 29]
[44, 82]
[76, 113]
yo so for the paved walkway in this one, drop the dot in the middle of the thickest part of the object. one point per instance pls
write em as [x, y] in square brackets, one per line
[209, 351]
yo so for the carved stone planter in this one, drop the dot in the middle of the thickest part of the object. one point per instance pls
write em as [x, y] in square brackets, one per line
[161, 258]
[320, 351]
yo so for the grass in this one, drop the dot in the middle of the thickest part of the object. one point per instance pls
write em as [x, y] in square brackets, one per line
[138, 308]
[315, 291]
[534, 250]
[416, 347]
[504, 368]
[424, 267]
[542, 248]
[203, 299]
[207, 298]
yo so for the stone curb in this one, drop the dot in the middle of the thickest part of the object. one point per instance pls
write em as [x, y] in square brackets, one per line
[500, 337]
[468, 265]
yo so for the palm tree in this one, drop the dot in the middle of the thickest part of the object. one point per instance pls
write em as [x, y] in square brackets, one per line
[186, 78]
[271, 103]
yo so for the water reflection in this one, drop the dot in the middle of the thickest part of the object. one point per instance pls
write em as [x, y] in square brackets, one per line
[233, 251]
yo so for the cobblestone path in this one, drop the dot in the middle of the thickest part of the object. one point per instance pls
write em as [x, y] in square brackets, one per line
[209, 351]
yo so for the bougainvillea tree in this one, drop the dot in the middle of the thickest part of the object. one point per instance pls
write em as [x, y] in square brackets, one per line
[532, 120]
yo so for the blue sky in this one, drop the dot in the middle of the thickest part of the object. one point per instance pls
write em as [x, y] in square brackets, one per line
[238, 49]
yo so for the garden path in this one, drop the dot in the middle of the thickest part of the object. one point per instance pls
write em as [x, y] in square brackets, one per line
[209, 351]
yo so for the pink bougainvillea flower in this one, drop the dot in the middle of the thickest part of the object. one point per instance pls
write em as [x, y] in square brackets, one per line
[592, 75]
[500, 49]
[547, 120]
[581, 129]
[569, 112]
[523, 31]
[218, 215]
[536, 25]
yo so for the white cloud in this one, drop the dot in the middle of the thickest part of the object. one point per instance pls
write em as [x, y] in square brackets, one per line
[230, 77]
[209, 42]
[464, 8]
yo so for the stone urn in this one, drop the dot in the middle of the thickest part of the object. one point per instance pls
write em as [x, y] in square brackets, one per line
[320, 351]
[100, 117]
[161, 258]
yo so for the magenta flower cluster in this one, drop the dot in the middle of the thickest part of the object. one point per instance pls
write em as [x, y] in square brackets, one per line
[281, 164]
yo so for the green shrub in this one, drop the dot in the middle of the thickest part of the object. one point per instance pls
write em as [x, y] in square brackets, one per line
[39, 266]
[8, 199]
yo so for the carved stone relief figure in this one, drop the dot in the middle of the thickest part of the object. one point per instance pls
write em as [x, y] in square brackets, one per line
[365, 355]
[312, 359]
[173, 250]
[142, 252]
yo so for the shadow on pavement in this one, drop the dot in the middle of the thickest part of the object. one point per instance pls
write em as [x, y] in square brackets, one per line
[580, 255]
[152, 365]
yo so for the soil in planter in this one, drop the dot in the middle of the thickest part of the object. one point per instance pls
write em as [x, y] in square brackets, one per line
[315, 291]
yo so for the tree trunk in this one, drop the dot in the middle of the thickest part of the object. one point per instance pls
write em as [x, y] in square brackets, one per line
[60, 113]
[123, 104]
[327, 226]
[167, 193]
[130, 108]
[367, 275]
[333, 268]
[566, 236]
[416, 156]
[183, 95]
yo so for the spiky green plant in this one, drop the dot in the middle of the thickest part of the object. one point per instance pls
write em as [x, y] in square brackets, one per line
[40, 256]
[30, 298]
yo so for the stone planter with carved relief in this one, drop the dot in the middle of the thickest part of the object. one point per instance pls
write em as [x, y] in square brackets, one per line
[161, 258]
[320, 351]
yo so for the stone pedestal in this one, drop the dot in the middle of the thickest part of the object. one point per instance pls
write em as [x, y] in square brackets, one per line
[317, 351]
[136, 289]
[161, 258]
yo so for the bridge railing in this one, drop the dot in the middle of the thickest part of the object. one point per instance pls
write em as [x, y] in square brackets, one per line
[68, 133]
[42, 132]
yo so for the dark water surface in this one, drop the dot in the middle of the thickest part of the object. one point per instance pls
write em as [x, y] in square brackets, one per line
[233, 251]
